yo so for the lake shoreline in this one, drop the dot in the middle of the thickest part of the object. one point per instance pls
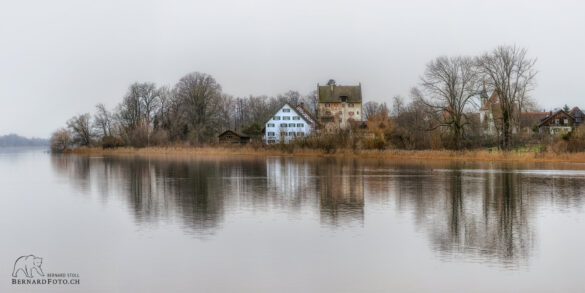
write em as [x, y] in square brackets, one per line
[439, 155]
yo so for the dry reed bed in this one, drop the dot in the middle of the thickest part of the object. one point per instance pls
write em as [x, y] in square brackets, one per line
[468, 155]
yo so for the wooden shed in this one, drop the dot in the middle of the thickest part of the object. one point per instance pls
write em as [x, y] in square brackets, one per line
[232, 137]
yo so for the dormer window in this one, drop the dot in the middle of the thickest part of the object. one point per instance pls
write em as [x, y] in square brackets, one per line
[343, 99]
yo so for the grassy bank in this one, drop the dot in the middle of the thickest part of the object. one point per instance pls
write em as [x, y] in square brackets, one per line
[468, 155]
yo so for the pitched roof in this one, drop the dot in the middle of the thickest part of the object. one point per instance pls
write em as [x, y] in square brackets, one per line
[294, 109]
[333, 93]
[302, 110]
[494, 99]
[574, 111]
[233, 132]
[549, 118]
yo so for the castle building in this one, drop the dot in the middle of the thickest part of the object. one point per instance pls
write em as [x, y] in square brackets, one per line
[340, 106]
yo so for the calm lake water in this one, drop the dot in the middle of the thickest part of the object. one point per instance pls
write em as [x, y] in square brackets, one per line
[284, 224]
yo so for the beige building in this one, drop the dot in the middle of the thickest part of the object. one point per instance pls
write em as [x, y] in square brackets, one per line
[340, 106]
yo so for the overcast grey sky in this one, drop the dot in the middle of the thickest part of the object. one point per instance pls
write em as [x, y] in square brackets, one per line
[60, 58]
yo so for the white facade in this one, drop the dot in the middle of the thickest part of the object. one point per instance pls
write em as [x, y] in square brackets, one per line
[286, 124]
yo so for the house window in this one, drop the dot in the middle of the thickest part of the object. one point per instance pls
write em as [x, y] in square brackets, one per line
[351, 113]
[350, 105]
[271, 141]
[566, 121]
[300, 125]
[286, 110]
[270, 125]
[276, 118]
[339, 112]
[296, 118]
[271, 133]
[285, 117]
[343, 105]
[291, 134]
[358, 112]
[328, 113]
[327, 105]
[557, 121]
[282, 134]
[291, 125]
[300, 134]
[283, 125]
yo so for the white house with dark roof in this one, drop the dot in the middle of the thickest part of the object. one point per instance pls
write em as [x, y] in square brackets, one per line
[288, 123]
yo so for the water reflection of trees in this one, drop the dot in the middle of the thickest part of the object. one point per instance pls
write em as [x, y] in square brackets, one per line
[199, 192]
[487, 213]
[483, 215]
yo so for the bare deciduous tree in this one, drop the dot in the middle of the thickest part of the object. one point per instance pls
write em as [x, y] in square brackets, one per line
[508, 71]
[199, 93]
[291, 97]
[397, 105]
[447, 88]
[149, 97]
[370, 109]
[311, 102]
[80, 127]
[102, 120]
[376, 110]
[60, 140]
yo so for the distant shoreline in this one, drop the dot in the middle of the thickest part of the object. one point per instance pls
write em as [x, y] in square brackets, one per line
[420, 155]
[15, 140]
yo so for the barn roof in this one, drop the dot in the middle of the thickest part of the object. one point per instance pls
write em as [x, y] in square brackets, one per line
[232, 132]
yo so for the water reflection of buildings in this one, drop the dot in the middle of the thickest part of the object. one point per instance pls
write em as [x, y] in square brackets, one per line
[341, 193]
[480, 212]
[338, 186]
[198, 192]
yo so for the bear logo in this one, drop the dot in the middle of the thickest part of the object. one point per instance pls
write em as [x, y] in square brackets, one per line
[26, 264]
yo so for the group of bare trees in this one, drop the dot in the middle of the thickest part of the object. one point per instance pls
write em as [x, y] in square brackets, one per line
[194, 111]
[451, 86]
[443, 110]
